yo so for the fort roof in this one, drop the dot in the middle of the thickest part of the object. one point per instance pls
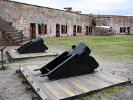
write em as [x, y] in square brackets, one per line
[94, 15]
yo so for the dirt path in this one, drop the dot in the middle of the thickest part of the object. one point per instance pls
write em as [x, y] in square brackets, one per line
[11, 87]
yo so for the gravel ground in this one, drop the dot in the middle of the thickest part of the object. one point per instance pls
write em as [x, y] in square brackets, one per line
[11, 87]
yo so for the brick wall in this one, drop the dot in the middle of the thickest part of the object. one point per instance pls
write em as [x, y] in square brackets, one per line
[26, 14]
[115, 22]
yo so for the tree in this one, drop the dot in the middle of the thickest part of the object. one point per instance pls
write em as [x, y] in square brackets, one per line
[93, 22]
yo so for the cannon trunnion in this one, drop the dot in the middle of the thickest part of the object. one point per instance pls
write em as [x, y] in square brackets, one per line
[74, 62]
[35, 46]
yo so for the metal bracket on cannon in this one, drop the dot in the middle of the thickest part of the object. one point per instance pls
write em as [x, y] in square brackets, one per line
[35, 46]
[74, 62]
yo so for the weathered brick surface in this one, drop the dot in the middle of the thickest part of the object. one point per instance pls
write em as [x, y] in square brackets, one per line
[26, 14]
[115, 22]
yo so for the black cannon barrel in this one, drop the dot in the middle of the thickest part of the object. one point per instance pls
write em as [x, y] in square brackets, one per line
[76, 61]
[35, 46]
[79, 49]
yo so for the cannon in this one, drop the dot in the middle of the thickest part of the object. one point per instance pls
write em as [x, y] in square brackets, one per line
[35, 46]
[74, 62]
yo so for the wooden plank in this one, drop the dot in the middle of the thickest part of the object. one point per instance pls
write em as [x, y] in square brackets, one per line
[55, 86]
[105, 78]
[55, 93]
[66, 90]
[15, 55]
[81, 87]
[112, 78]
[48, 85]
[41, 82]
[85, 82]
[34, 84]
[115, 76]
[96, 80]
[51, 93]
[102, 84]
[77, 90]
[69, 88]
[69, 85]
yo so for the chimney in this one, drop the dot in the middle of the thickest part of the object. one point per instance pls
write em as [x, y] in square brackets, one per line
[68, 8]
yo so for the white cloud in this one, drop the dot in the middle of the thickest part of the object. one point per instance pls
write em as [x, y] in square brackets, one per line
[109, 1]
[88, 6]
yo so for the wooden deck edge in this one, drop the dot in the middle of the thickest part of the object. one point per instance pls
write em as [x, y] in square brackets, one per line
[76, 96]
[17, 59]
[8, 54]
[95, 91]
[35, 89]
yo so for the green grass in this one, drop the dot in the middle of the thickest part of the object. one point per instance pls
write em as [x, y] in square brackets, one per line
[37, 98]
[3, 68]
[117, 47]
[9, 59]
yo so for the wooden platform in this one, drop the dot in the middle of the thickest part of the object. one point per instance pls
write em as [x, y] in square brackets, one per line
[15, 55]
[72, 87]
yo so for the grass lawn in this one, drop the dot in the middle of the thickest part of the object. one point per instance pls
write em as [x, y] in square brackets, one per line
[117, 47]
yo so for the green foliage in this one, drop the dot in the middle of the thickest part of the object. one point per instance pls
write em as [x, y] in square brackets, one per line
[9, 59]
[117, 47]
[93, 22]
[3, 68]
[36, 98]
[18, 72]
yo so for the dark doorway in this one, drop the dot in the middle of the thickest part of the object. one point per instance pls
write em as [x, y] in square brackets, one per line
[90, 29]
[128, 30]
[63, 29]
[57, 30]
[39, 29]
[33, 30]
[122, 29]
[42, 29]
[74, 30]
[45, 32]
[87, 30]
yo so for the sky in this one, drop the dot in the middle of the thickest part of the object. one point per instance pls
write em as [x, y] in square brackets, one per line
[106, 7]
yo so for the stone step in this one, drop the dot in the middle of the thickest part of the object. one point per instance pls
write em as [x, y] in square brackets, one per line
[2, 42]
[10, 30]
[4, 25]
[5, 21]
[18, 38]
[10, 33]
[24, 40]
[7, 28]
[15, 35]
[23, 43]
